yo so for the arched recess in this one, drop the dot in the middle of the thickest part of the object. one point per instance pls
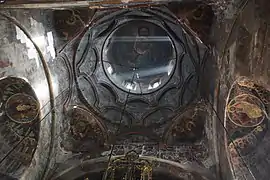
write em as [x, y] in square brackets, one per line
[173, 169]
[24, 60]
[19, 125]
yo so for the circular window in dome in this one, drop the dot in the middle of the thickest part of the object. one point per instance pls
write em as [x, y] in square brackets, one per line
[139, 57]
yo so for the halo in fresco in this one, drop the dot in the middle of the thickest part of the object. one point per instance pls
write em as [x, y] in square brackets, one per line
[246, 110]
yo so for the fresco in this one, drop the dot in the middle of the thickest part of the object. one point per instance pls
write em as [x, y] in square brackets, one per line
[247, 126]
[19, 124]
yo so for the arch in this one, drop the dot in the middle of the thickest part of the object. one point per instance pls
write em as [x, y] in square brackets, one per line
[159, 165]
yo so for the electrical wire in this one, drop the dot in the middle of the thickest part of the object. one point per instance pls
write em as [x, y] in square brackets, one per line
[118, 129]
[125, 104]
[226, 131]
[48, 80]
[86, 26]
[243, 5]
[231, 140]
[32, 125]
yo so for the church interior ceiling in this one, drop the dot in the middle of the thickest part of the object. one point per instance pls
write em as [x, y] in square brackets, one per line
[134, 90]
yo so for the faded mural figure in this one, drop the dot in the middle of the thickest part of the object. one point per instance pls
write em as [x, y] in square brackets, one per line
[132, 89]
[247, 124]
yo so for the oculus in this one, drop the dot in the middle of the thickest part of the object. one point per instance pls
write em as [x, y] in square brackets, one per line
[139, 57]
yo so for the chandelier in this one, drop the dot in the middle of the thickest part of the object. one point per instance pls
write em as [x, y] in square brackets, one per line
[129, 167]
